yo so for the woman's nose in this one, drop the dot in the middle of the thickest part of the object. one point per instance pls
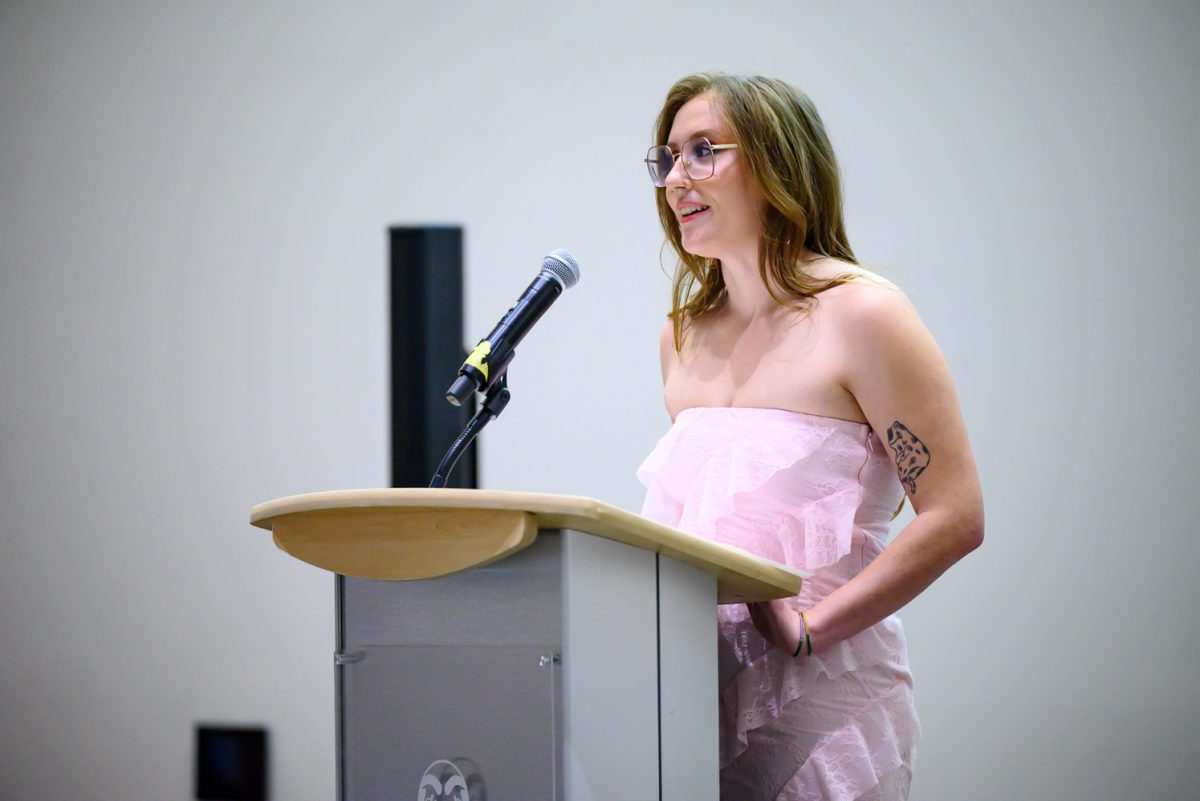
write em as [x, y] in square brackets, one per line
[678, 175]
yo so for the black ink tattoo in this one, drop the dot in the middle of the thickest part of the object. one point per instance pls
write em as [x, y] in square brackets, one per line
[912, 457]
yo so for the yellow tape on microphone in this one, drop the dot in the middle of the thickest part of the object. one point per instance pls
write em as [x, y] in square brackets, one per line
[478, 358]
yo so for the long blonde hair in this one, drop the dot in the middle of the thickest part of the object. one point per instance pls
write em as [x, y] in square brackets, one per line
[787, 151]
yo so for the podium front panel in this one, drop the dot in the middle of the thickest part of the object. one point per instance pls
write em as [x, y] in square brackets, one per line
[541, 677]
[487, 713]
[454, 679]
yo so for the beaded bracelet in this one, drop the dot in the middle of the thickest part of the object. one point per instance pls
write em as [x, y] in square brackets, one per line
[805, 641]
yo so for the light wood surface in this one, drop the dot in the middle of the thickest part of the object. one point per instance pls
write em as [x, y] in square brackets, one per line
[406, 542]
[420, 533]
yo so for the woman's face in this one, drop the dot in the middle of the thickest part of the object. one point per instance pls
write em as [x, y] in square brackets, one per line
[719, 217]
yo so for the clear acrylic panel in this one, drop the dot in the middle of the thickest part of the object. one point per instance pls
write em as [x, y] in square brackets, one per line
[451, 723]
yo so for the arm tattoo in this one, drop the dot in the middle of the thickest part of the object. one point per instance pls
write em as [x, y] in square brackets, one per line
[912, 456]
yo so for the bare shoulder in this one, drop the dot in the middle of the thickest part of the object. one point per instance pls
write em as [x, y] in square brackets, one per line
[666, 335]
[667, 355]
[859, 274]
[867, 307]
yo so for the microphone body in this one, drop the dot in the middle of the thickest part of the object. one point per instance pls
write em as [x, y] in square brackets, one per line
[486, 365]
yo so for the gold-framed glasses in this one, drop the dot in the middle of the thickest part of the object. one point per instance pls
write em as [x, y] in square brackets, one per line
[699, 160]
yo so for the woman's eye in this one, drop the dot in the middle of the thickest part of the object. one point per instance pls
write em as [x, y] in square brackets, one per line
[700, 150]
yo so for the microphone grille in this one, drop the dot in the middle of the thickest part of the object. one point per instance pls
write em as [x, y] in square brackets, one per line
[562, 265]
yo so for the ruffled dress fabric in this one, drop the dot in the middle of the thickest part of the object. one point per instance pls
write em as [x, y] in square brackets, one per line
[815, 493]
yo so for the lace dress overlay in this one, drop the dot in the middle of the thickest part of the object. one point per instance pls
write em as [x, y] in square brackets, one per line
[815, 493]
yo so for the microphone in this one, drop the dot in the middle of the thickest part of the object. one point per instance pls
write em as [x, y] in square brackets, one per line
[487, 363]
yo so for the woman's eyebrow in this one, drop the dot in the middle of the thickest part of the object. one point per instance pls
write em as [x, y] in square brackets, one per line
[708, 132]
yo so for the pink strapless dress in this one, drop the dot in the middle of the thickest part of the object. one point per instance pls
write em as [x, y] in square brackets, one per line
[816, 493]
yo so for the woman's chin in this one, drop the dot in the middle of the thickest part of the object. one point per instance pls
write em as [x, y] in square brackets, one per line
[696, 246]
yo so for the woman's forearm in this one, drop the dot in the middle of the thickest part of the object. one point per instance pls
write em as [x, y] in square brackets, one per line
[921, 552]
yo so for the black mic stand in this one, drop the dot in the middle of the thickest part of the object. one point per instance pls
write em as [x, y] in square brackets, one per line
[493, 403]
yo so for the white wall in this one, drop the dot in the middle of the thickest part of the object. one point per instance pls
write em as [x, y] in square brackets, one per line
[193, 319]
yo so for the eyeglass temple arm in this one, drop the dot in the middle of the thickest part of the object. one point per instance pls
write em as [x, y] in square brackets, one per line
[679, 155]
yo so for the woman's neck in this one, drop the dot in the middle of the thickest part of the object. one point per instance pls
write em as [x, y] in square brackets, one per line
[747, 296]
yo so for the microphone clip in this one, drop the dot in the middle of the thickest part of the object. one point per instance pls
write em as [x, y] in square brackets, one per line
[494, 401]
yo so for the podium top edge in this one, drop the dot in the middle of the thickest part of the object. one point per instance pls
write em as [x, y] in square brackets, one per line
[422, 498]
[741, 576]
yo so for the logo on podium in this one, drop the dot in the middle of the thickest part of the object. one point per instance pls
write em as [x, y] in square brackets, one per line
[452, 780]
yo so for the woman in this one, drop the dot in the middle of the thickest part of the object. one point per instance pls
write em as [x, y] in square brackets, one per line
[786, 369]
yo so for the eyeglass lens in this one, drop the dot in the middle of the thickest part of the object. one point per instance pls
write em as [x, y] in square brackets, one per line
[697, 156]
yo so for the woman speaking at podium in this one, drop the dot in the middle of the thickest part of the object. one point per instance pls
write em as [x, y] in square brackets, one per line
[807, 401]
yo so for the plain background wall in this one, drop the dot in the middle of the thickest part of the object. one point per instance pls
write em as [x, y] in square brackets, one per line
[193, 210]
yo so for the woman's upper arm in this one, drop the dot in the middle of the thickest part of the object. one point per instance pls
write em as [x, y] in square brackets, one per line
[898, 375]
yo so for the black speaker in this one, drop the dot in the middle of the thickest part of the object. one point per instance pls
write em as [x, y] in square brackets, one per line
[427, 349]
[231, 763]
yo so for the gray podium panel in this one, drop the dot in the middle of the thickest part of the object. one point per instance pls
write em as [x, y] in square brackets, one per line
[580, 668]
[517, 600]
[454, 680]
[610, 670]
[489, 711]
[689, 703]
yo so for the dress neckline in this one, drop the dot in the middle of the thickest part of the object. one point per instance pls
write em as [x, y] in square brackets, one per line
[770, 410]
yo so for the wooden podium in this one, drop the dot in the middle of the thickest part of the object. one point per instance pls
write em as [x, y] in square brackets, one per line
[507, 645]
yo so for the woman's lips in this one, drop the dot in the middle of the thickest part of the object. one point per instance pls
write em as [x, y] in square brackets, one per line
[686, 217]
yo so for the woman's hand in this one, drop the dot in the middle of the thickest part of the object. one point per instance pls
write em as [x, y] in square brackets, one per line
[778, 623]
